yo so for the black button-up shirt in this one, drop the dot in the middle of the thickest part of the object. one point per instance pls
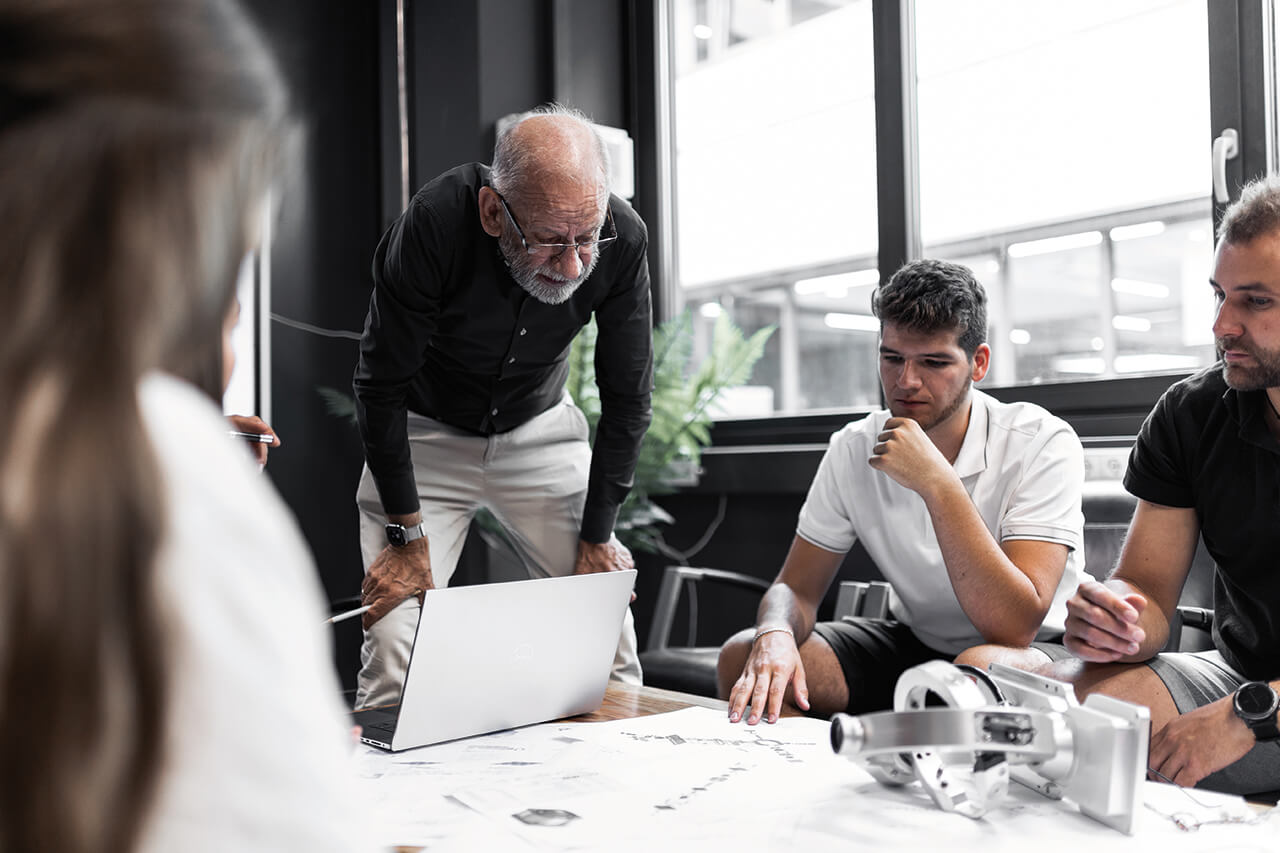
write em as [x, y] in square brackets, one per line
[450, 335]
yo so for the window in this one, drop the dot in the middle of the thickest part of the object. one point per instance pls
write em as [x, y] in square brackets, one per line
[1071, 144]
[1061, 151]
[776, 180]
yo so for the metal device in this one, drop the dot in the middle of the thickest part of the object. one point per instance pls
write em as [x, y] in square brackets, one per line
[963, 734]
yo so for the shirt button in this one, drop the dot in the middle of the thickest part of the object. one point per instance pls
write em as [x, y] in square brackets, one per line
[494, 412]
[522, 331]
[511, 361]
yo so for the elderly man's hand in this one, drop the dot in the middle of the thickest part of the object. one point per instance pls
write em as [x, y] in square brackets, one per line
[611, 556]
[398, 574]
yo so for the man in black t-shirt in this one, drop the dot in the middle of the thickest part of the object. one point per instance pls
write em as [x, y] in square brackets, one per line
[1206, 464]
[479, 289]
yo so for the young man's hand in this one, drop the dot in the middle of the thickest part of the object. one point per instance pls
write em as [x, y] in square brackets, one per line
[774, 663]
[1200, 742]
[905, 453]
[1102, 623]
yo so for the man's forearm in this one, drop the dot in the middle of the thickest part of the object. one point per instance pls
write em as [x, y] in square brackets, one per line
[1000, 599]
[613, 465]
[385, 436]
[782, 608]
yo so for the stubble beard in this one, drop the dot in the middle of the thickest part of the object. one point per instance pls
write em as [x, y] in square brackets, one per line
[953, 405]
[1266, 374]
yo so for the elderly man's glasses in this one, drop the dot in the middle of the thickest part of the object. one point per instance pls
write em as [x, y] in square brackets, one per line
[554, 250]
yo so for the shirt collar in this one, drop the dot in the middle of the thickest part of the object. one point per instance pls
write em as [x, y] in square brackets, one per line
[1247, 409]
[972, 458]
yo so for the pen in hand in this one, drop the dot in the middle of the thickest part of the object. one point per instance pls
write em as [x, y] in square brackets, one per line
[350, 614]
[260, 437]
[360, 611]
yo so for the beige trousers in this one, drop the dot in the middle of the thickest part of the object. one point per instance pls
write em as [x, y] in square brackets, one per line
[533, 479]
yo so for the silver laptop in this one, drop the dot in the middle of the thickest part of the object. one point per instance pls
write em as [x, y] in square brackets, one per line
[496, 656]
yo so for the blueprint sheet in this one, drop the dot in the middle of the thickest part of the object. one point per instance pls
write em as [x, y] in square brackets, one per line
[691, 780]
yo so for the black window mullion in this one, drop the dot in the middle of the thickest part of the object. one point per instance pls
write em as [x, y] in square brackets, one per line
[1238, 94]
[897, 160]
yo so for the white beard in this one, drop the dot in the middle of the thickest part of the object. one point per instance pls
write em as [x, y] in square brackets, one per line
[526, 273]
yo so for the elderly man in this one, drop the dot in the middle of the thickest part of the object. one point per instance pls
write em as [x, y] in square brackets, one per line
[1206, 464]
[969, 506]
[479, 288]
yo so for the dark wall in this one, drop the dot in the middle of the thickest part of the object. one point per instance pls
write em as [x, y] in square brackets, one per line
[469, 64]
[328, 227]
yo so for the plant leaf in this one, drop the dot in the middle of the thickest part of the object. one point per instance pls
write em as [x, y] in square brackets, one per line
[684, 399]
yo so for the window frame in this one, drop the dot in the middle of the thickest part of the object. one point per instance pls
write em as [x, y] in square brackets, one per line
[1104, 412]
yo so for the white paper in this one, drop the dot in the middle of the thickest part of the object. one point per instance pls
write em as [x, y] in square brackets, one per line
[690, 780]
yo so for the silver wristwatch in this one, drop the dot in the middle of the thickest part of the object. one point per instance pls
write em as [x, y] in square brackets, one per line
[398, 534]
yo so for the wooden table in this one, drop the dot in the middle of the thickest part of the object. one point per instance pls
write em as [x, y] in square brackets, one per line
[624, 701]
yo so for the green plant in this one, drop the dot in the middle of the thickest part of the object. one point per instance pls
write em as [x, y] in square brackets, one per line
[684, 398]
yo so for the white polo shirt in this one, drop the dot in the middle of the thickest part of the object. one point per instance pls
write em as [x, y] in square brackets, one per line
[1022, 467]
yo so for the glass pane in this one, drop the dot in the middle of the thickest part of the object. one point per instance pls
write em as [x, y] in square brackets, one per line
[1066, 144]
[775, 166]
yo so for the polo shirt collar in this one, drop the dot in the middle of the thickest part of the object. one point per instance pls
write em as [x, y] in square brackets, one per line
[1246, 408]
[972, 458]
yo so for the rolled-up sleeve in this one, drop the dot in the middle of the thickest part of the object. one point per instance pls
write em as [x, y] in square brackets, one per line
[402, 316]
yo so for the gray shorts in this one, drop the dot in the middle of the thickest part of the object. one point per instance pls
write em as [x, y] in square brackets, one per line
[1195, 679]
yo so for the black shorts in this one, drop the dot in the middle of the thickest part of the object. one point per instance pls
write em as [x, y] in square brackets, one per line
[873, 653]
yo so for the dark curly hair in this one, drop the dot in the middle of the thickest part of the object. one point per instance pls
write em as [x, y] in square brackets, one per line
[935, 296]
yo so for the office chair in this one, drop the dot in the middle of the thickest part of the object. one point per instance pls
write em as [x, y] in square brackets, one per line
[688, 668]
[692, 669]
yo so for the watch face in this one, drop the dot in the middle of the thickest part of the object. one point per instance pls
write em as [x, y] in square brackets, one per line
[1256, 700]
[395, 534]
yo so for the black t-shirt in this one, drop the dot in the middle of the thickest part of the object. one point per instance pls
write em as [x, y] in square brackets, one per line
[450, 335]
[1207, 447]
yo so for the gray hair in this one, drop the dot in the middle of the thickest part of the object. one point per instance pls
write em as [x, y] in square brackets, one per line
[513, 163]
[1255, 214]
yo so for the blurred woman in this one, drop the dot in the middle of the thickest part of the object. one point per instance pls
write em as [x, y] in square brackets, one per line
[164, 672]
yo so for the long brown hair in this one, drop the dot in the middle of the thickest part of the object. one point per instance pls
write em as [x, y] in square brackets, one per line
[137, 138]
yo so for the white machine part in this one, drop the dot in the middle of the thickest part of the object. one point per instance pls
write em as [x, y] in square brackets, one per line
[1001, 724]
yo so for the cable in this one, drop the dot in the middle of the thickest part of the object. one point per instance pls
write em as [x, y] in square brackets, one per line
[315, 330]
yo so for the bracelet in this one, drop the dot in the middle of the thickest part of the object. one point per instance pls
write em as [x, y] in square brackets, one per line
[764, 631]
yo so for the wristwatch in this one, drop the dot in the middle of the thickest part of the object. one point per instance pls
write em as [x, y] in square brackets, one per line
[398, 534]
[1256, 703]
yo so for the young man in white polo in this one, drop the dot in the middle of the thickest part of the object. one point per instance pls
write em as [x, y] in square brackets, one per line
[969, 507]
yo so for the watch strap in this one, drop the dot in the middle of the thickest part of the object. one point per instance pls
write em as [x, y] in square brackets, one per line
[1265, 731]
[398, 534]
